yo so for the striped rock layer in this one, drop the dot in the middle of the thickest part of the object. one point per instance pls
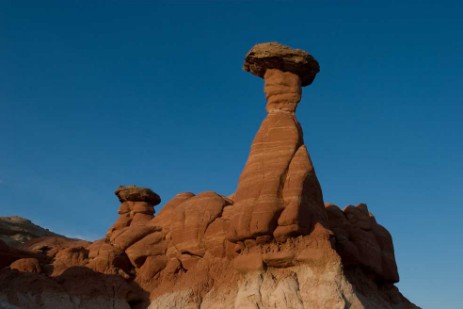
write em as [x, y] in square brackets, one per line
[278, 193]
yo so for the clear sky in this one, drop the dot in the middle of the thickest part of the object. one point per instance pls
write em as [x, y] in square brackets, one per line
[95, 94]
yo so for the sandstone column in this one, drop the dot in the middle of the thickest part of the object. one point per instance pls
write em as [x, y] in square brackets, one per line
[278, 193]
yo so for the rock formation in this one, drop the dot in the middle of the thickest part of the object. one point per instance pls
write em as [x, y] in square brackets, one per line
[278, 192]
[15, 231]
[137, 208]
[273, 244]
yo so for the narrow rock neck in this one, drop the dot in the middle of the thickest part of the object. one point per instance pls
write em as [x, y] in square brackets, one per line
[282, 90]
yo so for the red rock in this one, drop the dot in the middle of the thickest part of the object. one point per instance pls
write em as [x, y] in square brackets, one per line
[73, 256]
[152, 266]
[278, 192]
[172, 266]
[248, 263]
[131, 235]
[263, 239]
[30, 265]
[137, 194]
[191, 219]
[189, 261]
[282, 90]
[166, 215]
[97, 248]
[69, 257]
[103, 249]
[215, 237]
[105, 258]
[141, 219]
[271, 244]
[141, 207]
[122, 222]
[258, 201]
[138, 212]
[152, 244]
[303, 199]
[279, 259]
[124, 208]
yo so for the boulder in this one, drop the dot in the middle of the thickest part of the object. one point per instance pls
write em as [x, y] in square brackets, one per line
[273, 55]
[137, 194]
[191, 219]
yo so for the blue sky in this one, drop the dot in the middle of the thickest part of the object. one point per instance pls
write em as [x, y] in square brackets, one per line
[94, 94]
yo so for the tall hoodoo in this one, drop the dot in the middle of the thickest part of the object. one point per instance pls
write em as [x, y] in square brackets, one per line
[278, 192]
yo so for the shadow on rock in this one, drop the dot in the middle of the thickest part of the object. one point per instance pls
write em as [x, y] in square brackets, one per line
[376, 294]
[76, 287]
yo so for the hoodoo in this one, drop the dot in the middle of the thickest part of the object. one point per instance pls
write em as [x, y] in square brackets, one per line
[278, 193]
[272, 244]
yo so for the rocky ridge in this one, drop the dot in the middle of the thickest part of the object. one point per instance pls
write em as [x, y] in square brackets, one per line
[15, 231]
[272, 244]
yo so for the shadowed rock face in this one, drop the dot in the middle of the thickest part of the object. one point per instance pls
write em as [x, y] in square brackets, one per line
[361, 241]
[272, 244]
[137, 194]
[15, 231]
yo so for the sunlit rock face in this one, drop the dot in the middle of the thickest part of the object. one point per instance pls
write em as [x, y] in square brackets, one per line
[278, 194]
[274, 243]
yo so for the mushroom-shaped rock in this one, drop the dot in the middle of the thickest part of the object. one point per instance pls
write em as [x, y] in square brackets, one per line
[278, 194]
[273, 55]
[136, 208]
[137, 194]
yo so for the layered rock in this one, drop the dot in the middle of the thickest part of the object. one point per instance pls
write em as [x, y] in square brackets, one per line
[137, 208]
[278, 192]
[273, 55]
[123, 251]
[272, 244]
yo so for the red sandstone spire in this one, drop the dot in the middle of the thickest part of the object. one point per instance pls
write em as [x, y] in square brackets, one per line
[278, 193]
